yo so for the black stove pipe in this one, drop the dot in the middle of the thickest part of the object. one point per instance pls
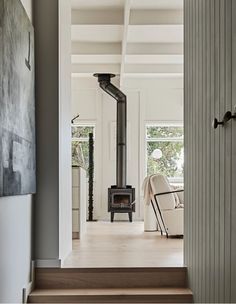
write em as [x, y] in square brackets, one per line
[121, 126]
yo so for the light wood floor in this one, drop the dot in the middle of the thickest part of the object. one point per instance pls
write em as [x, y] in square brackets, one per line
[124, 244]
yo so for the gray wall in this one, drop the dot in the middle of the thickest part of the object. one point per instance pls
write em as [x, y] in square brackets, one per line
[15, 238]
[47, 121]
[16, 213]
[53, 218]
[210, 232]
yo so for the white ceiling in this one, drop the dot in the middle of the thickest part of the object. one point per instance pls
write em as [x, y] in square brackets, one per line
[157, 4]
[97, 4]
[132, 38]
[136, 4]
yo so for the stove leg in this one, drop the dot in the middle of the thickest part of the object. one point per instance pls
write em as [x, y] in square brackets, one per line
[112, 217]
[130, 217]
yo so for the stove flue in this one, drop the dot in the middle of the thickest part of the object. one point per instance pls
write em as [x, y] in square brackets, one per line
[121, 197]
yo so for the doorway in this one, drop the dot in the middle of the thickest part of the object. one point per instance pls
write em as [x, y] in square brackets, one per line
[150, 73]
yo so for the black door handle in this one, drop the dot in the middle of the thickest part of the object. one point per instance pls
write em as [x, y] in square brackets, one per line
[228, 116]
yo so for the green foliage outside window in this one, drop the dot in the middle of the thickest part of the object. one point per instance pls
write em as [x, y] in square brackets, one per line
[170, 141]
[81, 131]
[78, 154]
[80, 145]
[159, 132]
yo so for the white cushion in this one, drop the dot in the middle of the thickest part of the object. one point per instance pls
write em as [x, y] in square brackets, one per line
[160, 184]
[150, 221]
[174, 221]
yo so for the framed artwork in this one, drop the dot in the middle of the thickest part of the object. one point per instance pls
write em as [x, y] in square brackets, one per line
[17, 101]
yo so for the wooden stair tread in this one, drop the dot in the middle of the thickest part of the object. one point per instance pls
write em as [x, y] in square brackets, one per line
[111, 269]
[112, 295]
[113, 291]
[111, 285]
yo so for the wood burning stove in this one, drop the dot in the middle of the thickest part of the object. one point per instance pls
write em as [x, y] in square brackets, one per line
[121, 197]
[121, 200]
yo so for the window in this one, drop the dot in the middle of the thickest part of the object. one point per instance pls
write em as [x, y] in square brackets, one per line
[80, 144]
[167, 142]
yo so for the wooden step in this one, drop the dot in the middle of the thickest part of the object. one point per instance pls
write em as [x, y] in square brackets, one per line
[57, 278]
[112, 295]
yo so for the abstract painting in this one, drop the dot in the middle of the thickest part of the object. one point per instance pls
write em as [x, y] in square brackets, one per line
[17, 101]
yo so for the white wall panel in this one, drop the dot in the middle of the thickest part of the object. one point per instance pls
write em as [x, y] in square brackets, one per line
[83, 103]
[155, 100]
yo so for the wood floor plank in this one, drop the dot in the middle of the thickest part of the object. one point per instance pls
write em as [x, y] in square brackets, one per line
[117, 263]
[124, 244]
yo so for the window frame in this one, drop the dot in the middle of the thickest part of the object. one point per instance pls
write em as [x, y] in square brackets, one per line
[173, 180]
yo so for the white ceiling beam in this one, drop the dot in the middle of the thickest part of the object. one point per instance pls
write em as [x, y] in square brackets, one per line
[97, 33]
[154, 68]
[155, 17]
[108, 16]
[95, 48]
[157, 4]
[136, 75]
[154, 75]
[124, 40]
[82, 75]
[97, 4]
[96, 59]
[96, 68]
[155, 48]
[154, 59]
[156, 34]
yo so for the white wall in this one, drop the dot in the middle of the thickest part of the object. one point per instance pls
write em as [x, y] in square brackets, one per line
[15, 238]
[28, 5]
[15, 247]
[150, 100]
[65, 180]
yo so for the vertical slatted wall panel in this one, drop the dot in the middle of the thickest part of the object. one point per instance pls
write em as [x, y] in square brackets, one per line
[207, 147]
[233, 169]
[216, 150]
[210, 232]
[212, 156]
[203, 148]
[228, 150]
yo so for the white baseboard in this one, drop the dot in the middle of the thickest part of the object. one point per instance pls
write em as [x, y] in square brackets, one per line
[30, 287]
[26, 292]
[48, 263]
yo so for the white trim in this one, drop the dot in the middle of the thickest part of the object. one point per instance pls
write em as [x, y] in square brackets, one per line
[164, 123]
[173, 139]
[124, 40]
[48, 263]
[98, 161]
[143, 95]
[30, 286]
[26, 292]
[83, 123]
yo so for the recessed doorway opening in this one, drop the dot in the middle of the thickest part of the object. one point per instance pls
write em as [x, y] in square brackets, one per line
[142, 45]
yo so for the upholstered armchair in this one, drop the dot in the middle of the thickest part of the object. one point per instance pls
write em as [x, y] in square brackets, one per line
[167, 206]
